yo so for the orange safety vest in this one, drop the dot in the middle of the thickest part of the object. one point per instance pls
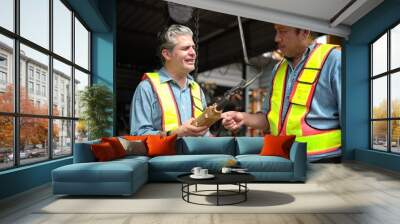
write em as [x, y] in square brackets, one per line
[170, 116]
[318, 141]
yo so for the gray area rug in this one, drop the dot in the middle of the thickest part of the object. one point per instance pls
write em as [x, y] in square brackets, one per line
[166, 198]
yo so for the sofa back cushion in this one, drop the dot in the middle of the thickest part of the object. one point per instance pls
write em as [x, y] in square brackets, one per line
[249, 145]
[83, 152]
[206, 145]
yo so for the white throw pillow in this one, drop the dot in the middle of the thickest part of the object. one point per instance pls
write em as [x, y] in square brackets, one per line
[136, 147]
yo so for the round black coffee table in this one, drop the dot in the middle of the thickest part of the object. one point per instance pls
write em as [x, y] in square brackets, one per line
[238, 179]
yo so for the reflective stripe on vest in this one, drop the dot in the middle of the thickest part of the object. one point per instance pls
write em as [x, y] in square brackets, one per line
[170, 116]
[277, 95]
[197, 104]
[318, 141]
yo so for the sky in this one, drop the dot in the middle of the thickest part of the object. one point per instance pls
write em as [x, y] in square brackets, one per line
[34, 26]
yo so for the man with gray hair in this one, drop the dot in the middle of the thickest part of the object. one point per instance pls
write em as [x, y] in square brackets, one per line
[167, 101]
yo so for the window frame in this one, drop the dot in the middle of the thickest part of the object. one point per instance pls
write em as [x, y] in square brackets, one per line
[388, 74]
[16, 114]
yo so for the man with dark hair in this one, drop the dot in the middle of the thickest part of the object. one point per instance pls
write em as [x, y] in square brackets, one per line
[305, 96]
[167, 101]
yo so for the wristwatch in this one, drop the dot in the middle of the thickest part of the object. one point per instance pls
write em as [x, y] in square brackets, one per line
[169, 133]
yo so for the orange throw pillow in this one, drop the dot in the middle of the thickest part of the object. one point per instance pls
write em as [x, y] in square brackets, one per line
[116, 145]
[161, 145]
[103, 151]
[277, 145]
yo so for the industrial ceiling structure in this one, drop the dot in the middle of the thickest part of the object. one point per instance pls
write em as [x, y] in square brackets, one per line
[140, 21]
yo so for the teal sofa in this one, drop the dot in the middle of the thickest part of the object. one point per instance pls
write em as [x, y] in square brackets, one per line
[125, 176]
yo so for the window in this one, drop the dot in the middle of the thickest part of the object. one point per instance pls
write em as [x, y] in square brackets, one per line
[30, 87]
[43, 77]
[62, 29]
[3, 61]
[385, 97]
[54, 125]
[81, 45]
[62, 74]
[3, 78]
[3, 72]
[38, 75]
[7, 14]
[43, 90]
[37, 89]
[34, 22]
[30, 72]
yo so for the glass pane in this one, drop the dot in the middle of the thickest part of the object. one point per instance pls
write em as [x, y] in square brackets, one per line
[81, 81]
[395, 95]
[7, 14]
[379, 55]
[379, 98]
[62, 89]
[395, 136]
[395, 47]
[35, 21]
[379, 135]
[62, 141]
[33, 139]
[6, 142]
[81, 131]
[6, 74]
[34, 81]
[81, 45]
[62, 29]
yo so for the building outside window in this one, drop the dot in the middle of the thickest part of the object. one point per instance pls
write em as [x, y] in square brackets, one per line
[34, 75]
[385, 96]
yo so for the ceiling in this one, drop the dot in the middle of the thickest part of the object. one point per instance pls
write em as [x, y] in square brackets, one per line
[326, 16]
[139, 22]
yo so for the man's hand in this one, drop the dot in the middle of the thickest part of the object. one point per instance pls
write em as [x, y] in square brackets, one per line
[232, 120]
[187, 129]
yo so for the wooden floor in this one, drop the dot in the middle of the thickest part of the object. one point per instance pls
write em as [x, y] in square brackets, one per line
[378, 189]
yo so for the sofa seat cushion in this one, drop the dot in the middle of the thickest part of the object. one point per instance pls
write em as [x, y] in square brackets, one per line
[257, 163]
[112, 171]
[133, 158]
[185, 163]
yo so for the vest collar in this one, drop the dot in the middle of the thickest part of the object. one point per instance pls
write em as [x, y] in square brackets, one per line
[166, 77]
[305, 55]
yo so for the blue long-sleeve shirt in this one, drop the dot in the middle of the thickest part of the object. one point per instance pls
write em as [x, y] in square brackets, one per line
[326, 103]
[146, 111]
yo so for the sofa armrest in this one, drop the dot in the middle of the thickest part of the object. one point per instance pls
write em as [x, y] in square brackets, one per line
[298, 155]
[83, 153]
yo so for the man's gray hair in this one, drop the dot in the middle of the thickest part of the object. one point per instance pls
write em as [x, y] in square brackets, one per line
[168, 38]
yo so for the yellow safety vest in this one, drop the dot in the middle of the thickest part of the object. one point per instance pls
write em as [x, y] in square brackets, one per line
[318, 141]
[170, 116]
